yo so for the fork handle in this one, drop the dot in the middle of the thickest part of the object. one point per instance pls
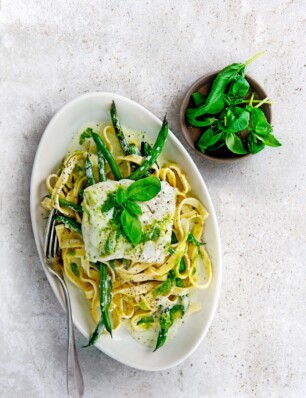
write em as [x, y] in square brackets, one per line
[75, 384]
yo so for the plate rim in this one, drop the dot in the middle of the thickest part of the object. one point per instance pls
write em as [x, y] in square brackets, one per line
[52, 281]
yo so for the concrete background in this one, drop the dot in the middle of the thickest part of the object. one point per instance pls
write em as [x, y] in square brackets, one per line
[53, 51]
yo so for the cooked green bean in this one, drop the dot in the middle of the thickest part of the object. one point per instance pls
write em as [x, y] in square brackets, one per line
[96, 334]
[145, 148]
[101, 147]
[165, 324]
[101, 166]
[166, 320]
[105, 296]
[89, 172]
[105, 299]
[69, 205]
[118, 130]
[156, 150]
[134, 150]
[69, 223]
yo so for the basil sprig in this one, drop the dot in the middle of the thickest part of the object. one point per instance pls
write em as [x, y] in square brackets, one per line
[191, 239]
[126, 210]
[227, 111]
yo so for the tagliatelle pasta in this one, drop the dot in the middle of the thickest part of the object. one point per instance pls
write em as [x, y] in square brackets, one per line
[141, 291]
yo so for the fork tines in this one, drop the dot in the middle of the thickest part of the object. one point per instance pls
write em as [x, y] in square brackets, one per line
[51, 243]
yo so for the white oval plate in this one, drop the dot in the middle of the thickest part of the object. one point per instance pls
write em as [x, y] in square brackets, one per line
[50, 152]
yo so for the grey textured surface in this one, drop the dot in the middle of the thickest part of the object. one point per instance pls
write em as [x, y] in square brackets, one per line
[53, 51]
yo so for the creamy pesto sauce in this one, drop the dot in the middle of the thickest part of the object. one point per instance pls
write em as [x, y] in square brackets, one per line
[132, 137]
[148, 337]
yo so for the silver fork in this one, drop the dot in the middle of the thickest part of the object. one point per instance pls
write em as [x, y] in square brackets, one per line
[75, 384]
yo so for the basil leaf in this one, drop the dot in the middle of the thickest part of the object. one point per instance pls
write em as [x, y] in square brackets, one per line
[144, 189]
[237, 119]
[133, 207]
[269, 140]
[75, 269]
[109, 203]
[234, 144]
[260, 123]
[217, 145]
[86, 134]
[198, 98]
[131, 226]
[182, 266]
[171, 250]
[172, 275]
[191, 239]
[254, 145]
[208, 139]
[239, 87]
[176, 311]
[116, 216]
[164, 287]
[173, 238]
[121, 196]
[204, 122]
[179, 282]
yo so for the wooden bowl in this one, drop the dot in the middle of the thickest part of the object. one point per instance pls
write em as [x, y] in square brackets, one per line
[192, 134]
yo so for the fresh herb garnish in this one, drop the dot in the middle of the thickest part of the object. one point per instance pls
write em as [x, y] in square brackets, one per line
[171, 250]
[234, 111]
[131, 226]
[86, 134]
[133, 207]
[109, 203]
[121, 196]
[126, 210]
[182, 266]
[191, 239]
[175, 280]
[166, 285]
[144, 189]
[173, 238]
[75, 269]
[163, 288]
[179, 282]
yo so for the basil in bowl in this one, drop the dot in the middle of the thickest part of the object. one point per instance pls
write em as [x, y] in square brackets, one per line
[226, 115]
